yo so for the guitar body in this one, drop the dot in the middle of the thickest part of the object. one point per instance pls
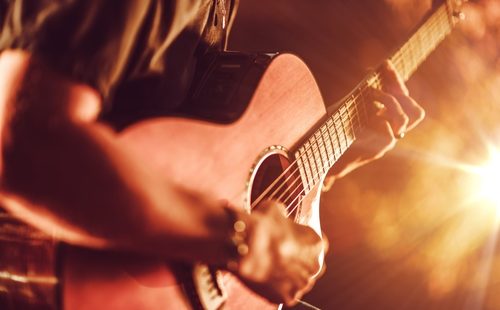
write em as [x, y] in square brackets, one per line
[232, 161]
[248, 118]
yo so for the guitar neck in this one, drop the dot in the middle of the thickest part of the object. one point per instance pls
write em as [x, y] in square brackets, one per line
[424, 40]
[332, 138]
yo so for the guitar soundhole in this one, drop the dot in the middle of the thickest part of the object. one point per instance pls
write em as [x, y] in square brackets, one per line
[273, 179]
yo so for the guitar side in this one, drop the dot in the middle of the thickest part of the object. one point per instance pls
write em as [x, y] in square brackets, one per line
[218, 160]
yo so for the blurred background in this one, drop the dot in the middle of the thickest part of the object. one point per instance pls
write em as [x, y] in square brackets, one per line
[414, 230]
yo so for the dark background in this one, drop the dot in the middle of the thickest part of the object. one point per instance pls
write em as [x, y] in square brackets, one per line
[408, 231]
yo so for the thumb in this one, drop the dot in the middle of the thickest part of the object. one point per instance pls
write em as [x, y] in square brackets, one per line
[272, 207]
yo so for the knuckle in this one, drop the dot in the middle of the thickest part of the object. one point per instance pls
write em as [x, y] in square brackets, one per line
[315, 268]
[405, 119]
[388, 99]
[390, 143]
[291, 298]
[401, 121]
[289, 302]
[420, 114]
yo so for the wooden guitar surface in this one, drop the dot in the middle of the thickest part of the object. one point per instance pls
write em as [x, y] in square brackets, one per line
[212, 159]
[277, 119]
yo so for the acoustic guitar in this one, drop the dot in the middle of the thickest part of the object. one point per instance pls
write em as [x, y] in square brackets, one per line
[254, 127]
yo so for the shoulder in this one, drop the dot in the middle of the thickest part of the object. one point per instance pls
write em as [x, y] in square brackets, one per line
[32, 93]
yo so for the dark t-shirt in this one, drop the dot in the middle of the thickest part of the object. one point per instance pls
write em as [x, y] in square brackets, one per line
[122, 48]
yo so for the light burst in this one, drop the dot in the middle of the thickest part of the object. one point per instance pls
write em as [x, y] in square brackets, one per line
[487, 185]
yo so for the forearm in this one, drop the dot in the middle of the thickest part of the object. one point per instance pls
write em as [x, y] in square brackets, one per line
[88, 187]
[69, 175]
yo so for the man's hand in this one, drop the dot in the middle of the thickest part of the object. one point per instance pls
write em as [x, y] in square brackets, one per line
[398, 113]
[284, 258]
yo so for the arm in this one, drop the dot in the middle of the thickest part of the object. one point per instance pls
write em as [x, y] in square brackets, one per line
[65, 173]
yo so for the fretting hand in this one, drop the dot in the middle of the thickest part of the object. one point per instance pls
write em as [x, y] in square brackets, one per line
[398, 113]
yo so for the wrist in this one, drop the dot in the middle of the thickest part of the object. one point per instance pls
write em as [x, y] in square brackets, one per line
[237, 238]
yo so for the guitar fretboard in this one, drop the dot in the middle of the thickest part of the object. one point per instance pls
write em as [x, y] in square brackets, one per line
[330, 141]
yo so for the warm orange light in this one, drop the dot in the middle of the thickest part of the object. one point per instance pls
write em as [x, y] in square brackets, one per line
[489, 181]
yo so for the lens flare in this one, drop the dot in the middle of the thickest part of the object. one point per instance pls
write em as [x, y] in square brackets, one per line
[488, 188]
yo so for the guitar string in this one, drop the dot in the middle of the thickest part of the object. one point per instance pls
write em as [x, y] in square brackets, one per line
[315, 175]
[434, 41]
[438, 20]
[332, 121]
[396, 59]
[339, 142]
[322, 154]
[292, 205]
[325, 153]
[429, 24]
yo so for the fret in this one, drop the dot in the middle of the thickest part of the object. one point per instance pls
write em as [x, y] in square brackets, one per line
[302, 171]
[342, 123]
[446, 24]
[343, 120]
[412, 57]
[374, 80]
[317, 155]
[357, 104]
[418, 42]
[330, 124]
[353, 116]
[325, 134]
[340, 133]
[345, 138]
[312, 162]
[350, 121]
[333, 127]
[323, 151]
[403, 61]
[420, 45]
[309, 170]
[306, 173]
[345, 126]
[440, 28]
[331, 139]
[363, 102]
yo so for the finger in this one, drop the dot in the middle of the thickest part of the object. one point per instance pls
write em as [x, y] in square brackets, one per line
[326, 243]
[391, 111]
[412, 109]
[312, 281]
[393, 82]
[377, 140]
[272, 207]
[292, 295]
[382, 138]
[298, 293]
[328, 183]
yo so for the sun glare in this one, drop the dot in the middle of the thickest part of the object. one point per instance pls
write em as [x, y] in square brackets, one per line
[489, 184]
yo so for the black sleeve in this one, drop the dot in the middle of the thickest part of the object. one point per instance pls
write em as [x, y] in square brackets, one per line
[91, 41]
